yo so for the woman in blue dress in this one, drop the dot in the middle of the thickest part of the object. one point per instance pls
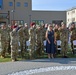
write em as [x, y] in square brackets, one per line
[50, 42]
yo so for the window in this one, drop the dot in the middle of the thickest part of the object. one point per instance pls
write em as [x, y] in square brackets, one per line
[18, 4]
[19, 22]
[57, 22]
[10, 3]
[39, 22]
[1, 4]
[25, 4]
[3, 16]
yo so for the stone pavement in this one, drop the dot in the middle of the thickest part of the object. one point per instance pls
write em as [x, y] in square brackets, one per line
[9, 67]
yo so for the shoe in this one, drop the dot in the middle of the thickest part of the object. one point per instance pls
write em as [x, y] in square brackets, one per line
[64, 57]
[16, 60]
[2, 56]
[13, 60]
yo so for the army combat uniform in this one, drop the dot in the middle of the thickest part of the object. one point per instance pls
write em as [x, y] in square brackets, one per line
[43, 32]
[38, 41]
[57, 37]
[73, 37]
[14, 44]
[32, 39]
[64, 41]
[22, 41]
[4, 41]
[26, 34]
[57, 34]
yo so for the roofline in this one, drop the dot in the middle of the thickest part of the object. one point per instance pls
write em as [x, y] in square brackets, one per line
[48, 10]
[71, 8]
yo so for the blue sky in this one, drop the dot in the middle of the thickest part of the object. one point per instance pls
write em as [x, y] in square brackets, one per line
[0, 2]
[53, 4]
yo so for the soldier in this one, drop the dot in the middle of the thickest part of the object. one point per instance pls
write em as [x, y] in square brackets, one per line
[57, 32]
[57, 36]
[46, 26]
[26, 34]
[14, 43]
[9, 30]
[22, 40]
[64, 40]
[4, 40]
[73, 35]
[32, 39]
[43, 32]
[38, 41]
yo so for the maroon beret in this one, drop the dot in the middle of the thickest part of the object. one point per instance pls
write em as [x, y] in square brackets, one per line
[33, 23]
[14, 27]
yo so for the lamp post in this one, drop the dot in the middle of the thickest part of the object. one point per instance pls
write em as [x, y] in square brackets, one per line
[13, 11]
[14, 4]
[29, 19]
[8, 17]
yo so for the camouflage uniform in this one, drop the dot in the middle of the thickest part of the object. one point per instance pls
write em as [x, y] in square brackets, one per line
[4, 41]
[14, 44]
[32, 39]
[43, 32]
[57, 37]
[9, 30]
[26, 34]
[73, 37]
[57, 34]
[38, 41]
[64, 40]
[22, 41]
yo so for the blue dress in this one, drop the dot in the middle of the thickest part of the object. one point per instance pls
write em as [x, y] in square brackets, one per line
[50, 48]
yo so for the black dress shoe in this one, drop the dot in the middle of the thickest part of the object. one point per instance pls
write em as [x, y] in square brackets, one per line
[64, 57]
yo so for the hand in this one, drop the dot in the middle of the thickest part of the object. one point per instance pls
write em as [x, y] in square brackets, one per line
[48, 41]
[55, 42]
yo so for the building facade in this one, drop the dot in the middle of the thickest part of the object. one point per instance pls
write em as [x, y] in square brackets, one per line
[70, 16]
[20, 11]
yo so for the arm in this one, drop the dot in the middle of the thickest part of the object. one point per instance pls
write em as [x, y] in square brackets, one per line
[46, 36]
[54, 37]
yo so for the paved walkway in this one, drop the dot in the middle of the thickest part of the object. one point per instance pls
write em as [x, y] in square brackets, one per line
[41, 64]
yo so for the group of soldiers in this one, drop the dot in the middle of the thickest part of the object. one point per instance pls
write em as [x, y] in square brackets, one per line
[14, 37]
[65, 34]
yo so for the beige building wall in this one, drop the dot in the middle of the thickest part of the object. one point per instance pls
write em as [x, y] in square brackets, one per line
[21, 13]
[70, 16]
[26, 14]
[49, 16]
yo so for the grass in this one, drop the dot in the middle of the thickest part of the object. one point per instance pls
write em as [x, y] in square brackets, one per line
[5, 59]
[8, 57]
